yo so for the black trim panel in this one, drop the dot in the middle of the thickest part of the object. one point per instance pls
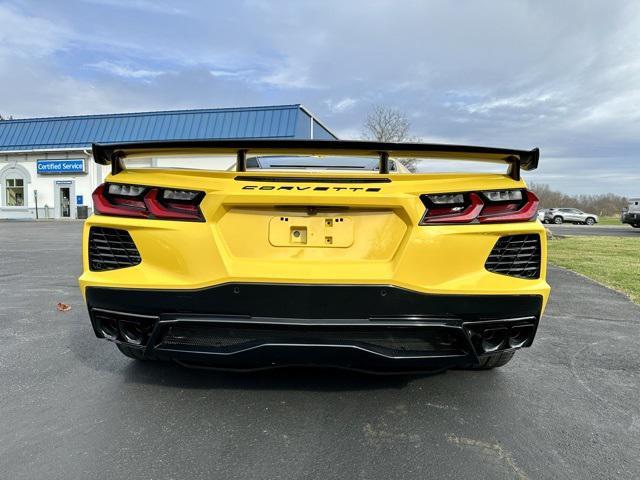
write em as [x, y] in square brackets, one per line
[311, 179]
[375, 328]
[314, 302]
[345, 357]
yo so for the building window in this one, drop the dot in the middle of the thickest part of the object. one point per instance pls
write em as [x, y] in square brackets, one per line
[14, 191]
[14, 186]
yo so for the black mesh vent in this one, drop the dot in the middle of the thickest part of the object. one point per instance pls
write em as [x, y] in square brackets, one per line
[516, 255]
[110, 248]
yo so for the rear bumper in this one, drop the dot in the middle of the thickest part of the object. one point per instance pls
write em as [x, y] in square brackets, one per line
[367, 327]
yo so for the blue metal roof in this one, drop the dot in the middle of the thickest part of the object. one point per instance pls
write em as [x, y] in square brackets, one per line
[281, 121]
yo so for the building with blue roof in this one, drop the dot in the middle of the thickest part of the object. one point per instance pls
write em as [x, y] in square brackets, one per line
[48, 160]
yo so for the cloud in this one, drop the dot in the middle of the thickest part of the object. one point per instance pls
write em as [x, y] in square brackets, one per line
[342, 105]
[287, 76]
[227, 73]
[563, 76]
[523, 101]
[153, 6]
[126, 71]
[28, 36]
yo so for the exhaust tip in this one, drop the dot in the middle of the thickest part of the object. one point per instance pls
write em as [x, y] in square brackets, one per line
[500, 335]
[520, 335]
[108, 326]
[493, 339]
[130, 328]
[136, 333]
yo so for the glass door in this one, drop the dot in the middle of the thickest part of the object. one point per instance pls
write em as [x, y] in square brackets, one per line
[65, 202]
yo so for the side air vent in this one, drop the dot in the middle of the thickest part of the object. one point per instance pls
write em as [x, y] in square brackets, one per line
[110, 248]
[516, 255]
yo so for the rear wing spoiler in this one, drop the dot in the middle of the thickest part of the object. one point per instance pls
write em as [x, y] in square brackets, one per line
[114, 153]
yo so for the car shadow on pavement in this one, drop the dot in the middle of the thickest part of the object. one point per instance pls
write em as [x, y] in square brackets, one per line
[168, 374]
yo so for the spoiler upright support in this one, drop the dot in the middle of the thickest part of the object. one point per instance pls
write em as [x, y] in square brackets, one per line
[514, 168]
[241, 161]
[117, 163]
[384, 163]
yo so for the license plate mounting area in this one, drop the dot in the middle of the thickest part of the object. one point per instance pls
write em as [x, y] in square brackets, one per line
[311, 231]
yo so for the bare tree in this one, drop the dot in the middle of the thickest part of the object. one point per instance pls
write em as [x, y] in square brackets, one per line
[601, 204]
[10, 117]
[385, 124]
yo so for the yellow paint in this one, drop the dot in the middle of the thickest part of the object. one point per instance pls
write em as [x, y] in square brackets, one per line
[379, 243]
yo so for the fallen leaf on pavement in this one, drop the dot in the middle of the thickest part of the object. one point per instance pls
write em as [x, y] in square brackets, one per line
[63, 307]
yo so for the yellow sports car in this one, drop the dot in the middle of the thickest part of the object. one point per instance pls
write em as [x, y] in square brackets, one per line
[314, 252]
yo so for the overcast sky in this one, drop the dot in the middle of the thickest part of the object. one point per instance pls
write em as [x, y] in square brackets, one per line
[563, 76]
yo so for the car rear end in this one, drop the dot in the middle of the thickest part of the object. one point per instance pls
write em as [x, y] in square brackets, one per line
[375, 271]
[631, 215]
[550, 214]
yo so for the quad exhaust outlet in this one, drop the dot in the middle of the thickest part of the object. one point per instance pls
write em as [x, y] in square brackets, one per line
[127, 328]
[500, 336]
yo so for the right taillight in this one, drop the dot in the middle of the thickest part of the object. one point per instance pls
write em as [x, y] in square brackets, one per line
[491, 206]
[147, 202]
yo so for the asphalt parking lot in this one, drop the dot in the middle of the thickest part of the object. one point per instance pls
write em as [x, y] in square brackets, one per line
[595, 230]
[74, 408]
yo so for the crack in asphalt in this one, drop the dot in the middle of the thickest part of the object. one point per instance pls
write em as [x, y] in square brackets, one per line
[491, 450]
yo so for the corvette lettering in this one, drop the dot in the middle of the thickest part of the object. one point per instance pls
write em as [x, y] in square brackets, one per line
[310, 188]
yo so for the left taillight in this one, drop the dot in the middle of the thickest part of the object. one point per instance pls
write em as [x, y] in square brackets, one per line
[490, 206]
[139, 201]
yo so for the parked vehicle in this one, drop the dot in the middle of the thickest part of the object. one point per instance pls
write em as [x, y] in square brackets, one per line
[315, 257]
[631, 214]
[541, 214]
[569, 215]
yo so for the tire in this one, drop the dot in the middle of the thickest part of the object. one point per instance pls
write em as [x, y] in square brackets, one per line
[590, 221]
[494, 361]
[132, 352]
[557, 220]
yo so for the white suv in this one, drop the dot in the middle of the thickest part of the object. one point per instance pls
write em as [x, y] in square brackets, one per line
[569, 215]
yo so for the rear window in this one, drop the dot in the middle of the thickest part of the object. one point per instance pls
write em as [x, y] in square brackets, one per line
[316, 163]
[271, 162]
[337, 163]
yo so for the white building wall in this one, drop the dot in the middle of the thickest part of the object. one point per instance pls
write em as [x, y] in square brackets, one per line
[81, 184]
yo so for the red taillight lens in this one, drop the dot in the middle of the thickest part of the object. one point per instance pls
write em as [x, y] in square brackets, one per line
[510, 210]
[106, 204]
[147, 202]
[171, 210]
[479, 207]
[464, 212]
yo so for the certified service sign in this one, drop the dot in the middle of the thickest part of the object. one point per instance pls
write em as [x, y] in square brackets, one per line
[60, 167]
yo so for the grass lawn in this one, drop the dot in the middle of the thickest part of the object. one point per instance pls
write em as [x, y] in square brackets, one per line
[609, 220]
[612, 261]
